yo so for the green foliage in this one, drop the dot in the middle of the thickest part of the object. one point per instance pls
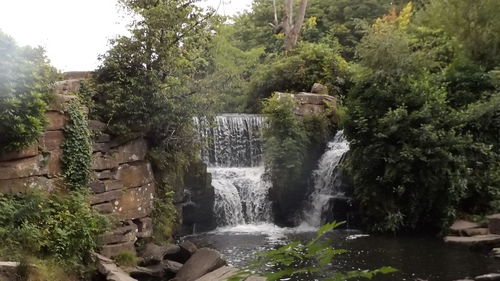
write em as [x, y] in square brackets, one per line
[56, 225]
[77, 148]
[126, 259]
[298, 71]
[306, 260]
[25, 80]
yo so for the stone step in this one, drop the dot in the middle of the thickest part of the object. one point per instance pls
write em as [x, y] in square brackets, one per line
[490, 240]
[461, 225]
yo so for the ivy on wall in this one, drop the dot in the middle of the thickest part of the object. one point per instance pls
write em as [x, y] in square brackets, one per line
[77, 148]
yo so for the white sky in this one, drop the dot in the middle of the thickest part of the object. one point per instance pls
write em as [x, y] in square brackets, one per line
[75, 32]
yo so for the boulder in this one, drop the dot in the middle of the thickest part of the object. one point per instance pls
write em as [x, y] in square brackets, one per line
[106, 185]
[145, 227]
[475, 231]
[132, 151]
[480, 241]
[102, 162]
[488, 277]
[135, 174]
[27, 152]
[24, 185]
[52, 140]
[22, 168]
[134, 203]
[220, 274]
[494, 223]
[205, 260]
[188, 249]
[123, 234]
[109, 269]
[113, 250]
[165, 270]
[55, 121]
[460, 225]
[154, 254]
[318, 88]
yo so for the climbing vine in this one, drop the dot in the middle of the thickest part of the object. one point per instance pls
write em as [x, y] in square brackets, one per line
[77, 148]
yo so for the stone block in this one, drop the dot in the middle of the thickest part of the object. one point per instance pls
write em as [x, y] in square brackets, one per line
[494, 223]
[205, 260]
[479, 241]
[55, 121]
[135, 174]
[24, 185]
[27, 152]
[102, 162]
[66, 87]
[309, 98]
[104, 175]
[102, 138]
[54, 163]
[97, 126]
[52, 140]
[106, 185]
[106, 197]
[60, 101]
[100, 147]
[145, 227]
[132, 151]
[318, 88]
[121, 234]
[134, 203]
[475, 231]
[460, 225]
[23, 168]
[105, 208]
[221, 274]
[113, 250]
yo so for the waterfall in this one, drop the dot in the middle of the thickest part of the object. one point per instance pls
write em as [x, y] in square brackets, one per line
[325, 181]
[232, 149]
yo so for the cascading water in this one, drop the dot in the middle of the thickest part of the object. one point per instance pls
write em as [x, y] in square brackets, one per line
[325, 181]
[233, 152]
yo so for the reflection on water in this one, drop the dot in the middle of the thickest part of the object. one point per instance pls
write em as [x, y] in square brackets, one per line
[415, 257]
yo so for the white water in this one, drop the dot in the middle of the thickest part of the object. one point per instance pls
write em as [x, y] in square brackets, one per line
[233, 152]
[324, 182]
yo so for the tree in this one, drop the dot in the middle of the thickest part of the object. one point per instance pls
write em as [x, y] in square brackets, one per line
[292, 28]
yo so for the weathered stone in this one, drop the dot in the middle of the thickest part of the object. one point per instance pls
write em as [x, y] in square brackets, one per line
[148, 273]
[102, 161]
[52, 140]
[121, 234]
[145, 227]
[255, 278]
[134, 203]
[55, 121]
[24, 185]
[102, 138]
[481, 241]
[67, 86]
[188, 249]
[171, 266]
[113, 250]
[135, 174]
[488, 277]
[220, 274]
[106, 185]
[120, 140]
[54, 163]
[475, 231]
[100, 147]
[318, 88]
[105, 208]
[60, 101]
[153, 254]
[30, 151]
[460, 225]
[8, 271]
[97, 126]
[174, 253]
[132, 151]
[109, 269]
[104, 175]
[106, 197]
[494, 223]
[22, 168]
[311, 103]
[202, 262]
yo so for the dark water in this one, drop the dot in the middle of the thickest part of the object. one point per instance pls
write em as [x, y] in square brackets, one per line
[415, 257]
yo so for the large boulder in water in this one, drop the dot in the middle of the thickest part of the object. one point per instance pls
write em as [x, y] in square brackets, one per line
[205, 260]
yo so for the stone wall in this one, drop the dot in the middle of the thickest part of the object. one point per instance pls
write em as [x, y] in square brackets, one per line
[309, 103]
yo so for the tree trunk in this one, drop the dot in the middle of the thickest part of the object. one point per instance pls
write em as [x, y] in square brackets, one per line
[292, 29]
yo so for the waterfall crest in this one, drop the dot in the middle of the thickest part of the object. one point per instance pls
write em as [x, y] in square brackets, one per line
[233, 151]
[325, 181]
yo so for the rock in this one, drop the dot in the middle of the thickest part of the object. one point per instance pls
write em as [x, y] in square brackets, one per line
[496, 252]
[104, 175]
[188, 249]
[97, 126]
[8, 271]
[318, 88]
[60, 101]
[153, 254]
[24, 185]
[220, 274]
[123, 234]
[105, 197]
[154, 272]
[494, 223]
[102, 162]
[55, 121]
[134, 203]
[100, 147]
[488, 277]
[109, 269]
[132, 151]
[460, 225]
[311, 103]
[27, 152]
[481, 241]
[113, 250]
[172, 266]
[52, 140]
[145, 227]
[135, 174]
[106, 185]
[23, 168]
[105, 208]
[475, 231]
[255, 278]
[102, 138]
[202, 262]
[67, 86]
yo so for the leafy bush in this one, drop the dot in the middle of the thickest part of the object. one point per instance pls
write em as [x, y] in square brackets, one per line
[126, 259]
[57, 225]
[306, 260]
[25, 80]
